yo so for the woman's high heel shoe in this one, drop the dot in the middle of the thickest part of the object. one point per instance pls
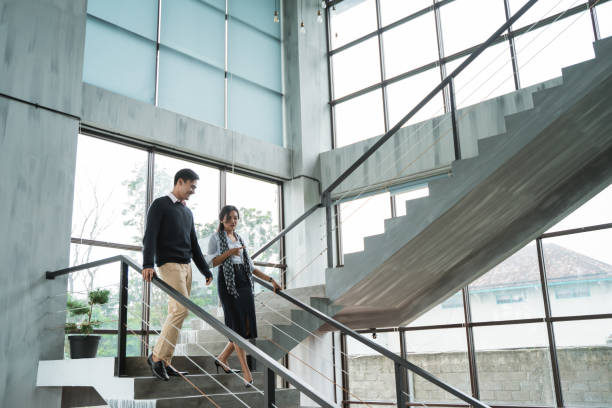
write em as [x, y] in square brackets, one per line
[217, 365]
[248, 384]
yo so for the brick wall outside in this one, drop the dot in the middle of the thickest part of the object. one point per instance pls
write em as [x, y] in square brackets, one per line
[517, 377]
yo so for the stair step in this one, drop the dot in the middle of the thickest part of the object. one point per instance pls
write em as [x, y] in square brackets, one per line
[138, 367]
[153, 388]
[286, 398]
[603, 47]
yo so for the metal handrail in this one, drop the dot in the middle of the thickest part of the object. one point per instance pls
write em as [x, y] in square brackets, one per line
[376, 347]
[271, 366]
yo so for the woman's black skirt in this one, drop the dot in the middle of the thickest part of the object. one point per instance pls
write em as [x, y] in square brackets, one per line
[239, 312]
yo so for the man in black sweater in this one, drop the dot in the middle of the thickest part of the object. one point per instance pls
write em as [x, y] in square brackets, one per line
[170, 241]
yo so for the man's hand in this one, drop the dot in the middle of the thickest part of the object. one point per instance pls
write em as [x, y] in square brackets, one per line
[147, 274]
[209, 281]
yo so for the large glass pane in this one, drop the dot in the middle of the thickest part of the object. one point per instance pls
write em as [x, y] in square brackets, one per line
[365, 365]
[105, 277]
[361, 218]
[257, 13]
[404, 95]
[347, 79]
[579, 272]
[584, 352]
[464, 24]
[258, 203]
[194, 28]
[359, 118]
[543, 52]
[511, 290]
[448, 312]
[127, 68]
[138, 16]
[254, 110]
[110, 192]
[541, 10]
[513, 363]
[486, 77]
[254, 55]
[352, 19]
[403, 199]
[190, 87]
[443, 353]
[411, 45]
[604, 19]
[393, 10]
[595, 211]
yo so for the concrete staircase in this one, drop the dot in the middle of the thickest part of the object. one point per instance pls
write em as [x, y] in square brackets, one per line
[276, 325]
[550, 160]
[179, 393]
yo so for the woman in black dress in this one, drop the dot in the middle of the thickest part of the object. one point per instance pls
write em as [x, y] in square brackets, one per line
[227, 250]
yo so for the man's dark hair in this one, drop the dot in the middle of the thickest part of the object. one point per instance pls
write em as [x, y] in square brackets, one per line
[185, 175]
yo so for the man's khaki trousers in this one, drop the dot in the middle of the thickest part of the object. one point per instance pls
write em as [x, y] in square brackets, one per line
[179, 277]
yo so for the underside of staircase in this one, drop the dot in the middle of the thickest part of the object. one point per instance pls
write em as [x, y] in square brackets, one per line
[550, 160]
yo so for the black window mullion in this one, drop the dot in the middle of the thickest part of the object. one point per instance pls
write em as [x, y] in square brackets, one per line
[594, 21]
[159, 11]
[146, 287]
[381, 60]
[441, 65]
[471, 348]
[512, 44]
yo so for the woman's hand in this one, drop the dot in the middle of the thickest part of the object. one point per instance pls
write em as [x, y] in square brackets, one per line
[234, 251]
[277, 287]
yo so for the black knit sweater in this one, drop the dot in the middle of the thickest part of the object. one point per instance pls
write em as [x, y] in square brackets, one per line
[170, 236]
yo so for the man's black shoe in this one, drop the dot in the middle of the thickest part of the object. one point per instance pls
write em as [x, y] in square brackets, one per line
[173, 373]
[157, 368]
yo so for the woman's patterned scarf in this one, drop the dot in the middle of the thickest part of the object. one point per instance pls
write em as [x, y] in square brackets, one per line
[228, 267]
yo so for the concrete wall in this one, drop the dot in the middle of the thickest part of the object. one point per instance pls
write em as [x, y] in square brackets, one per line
[423, 149]
[142, 121]
[41, 52]
[515, 377]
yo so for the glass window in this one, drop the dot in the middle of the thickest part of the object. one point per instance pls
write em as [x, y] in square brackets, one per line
[579, 273]
[403, 199]
[364, 364]
[257, 13]
[448, 312]
[204, 204]
[404, 95]
[255, 111]
[110, 192]
[105, 277]
[191, 87]
[393, 10]
[513, 363]
[541, 10]
[257, 201]
[128, 69]
[511, 290]
[359, 118]
[593, 212]
[543, 52]
[486, 77]
[196, 29]
[352, 19]
[362, 218]
[347, 78]
[443, 353]
[137, 16]
[604, 19]
[584, 352]
[254, 55]
[411, 45]
[463, 25]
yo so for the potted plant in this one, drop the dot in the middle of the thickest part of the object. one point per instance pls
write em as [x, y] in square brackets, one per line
[84, 344]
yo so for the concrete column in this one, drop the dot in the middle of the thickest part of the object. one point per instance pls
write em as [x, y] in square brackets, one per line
[41, 58]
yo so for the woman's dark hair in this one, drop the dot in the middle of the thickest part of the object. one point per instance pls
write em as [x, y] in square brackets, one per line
[225, 211]
[185, 175]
